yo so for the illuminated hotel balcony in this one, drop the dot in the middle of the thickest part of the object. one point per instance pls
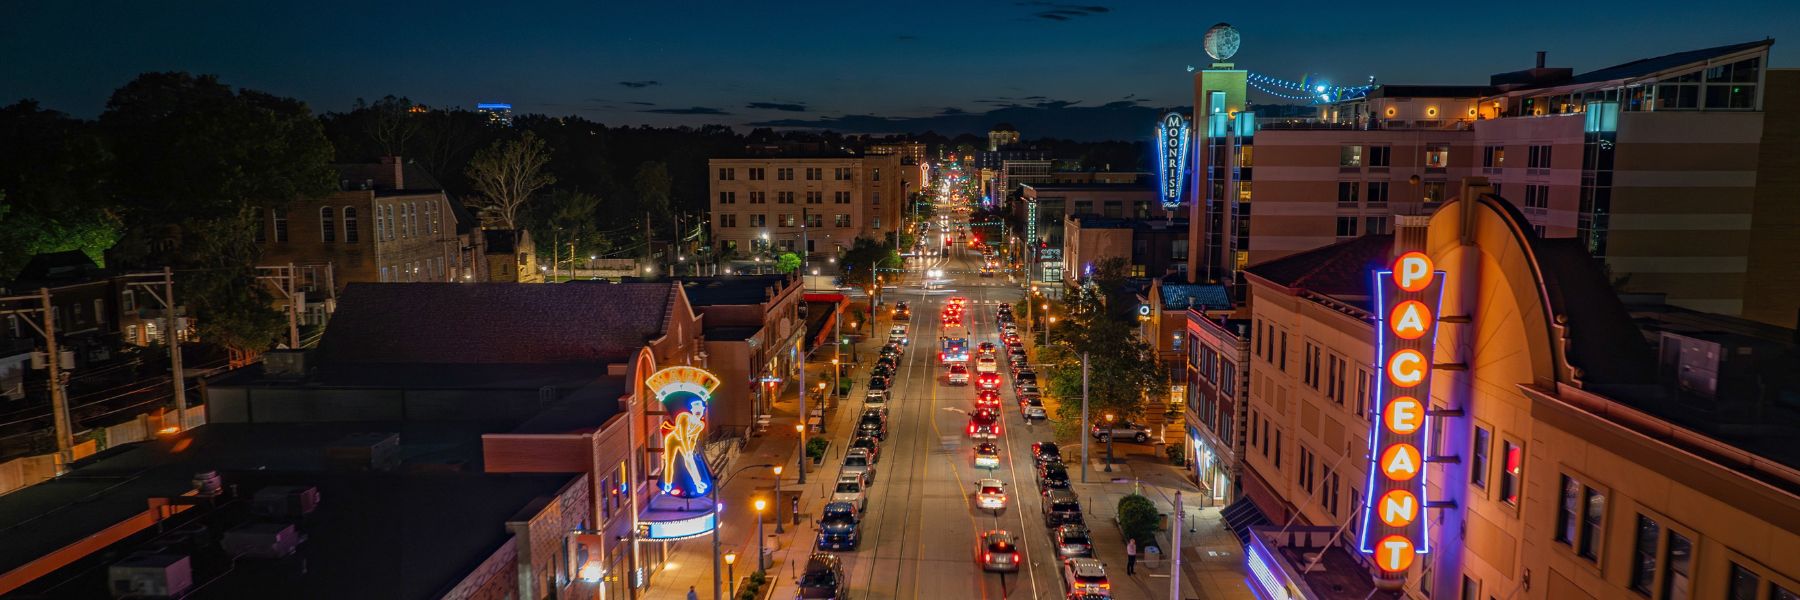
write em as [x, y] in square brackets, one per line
[1304, 562]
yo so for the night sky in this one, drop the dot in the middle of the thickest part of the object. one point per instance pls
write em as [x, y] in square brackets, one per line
[857, 66]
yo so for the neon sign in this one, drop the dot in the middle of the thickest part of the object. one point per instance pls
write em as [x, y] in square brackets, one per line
[1171, 157]
[684, 393]
[1407, 296]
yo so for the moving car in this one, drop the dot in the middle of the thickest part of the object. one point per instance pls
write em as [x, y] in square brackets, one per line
[850, 488]
[987, 455]
[1061, 507]
[987, 364]
[997, 552]
[984, 425]
[902, 311]
[867, 443]
[987, 381]
[1072, 540]
[1043, 453]
[1085, 575]
[989, 399]
[898, 333]
[959, 374]
[986, 349]
[823, 579]
[990, 494]
[838, 527]
[1121, 429]
[858, 462]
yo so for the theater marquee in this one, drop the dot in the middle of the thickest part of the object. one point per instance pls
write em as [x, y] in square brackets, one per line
[1407, 297]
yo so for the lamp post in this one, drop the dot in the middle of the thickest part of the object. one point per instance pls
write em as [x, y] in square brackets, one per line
[1047, 330]
[801, 460]
[761, 552]
[1109, 437]
[778, 528]
[731, 573]
[837, 373]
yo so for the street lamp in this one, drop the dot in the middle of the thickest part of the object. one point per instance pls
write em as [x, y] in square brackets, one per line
[761, 552]
[731, 572]
[800, 428]
[1047, 330]
[778, 528]
[1109, 437]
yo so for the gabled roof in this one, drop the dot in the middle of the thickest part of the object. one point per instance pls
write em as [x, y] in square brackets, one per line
[1649, 66]
[1340, 270]
[486, 323]
[59, 266]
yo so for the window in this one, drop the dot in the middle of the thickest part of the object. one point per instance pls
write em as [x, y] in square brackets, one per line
[1777, 592]
[1471, 589]
[350, 230]
[127, 303]
[1375, 225]
[1378, 193]
[876, 176]
[1433, 192]
[757, 174]
[1437, 156]
[841, 173]
[1743, 583]
[1350, 156]
[727, 174]
[1478, 460]
[384, 274]
[784, 174]
[1257, 334]
[1567, 510]
[1656, 559]
[759, 197]
[840, 197]
[1346, 226]
[1537, 157]
[1227, 380]
[814, 220]
[1679, 555]
[1493, 157]
[1278, 448]
[784, 197]
[875, 197]
[840, 220]
[1362, 393]
[815, 197]
[281, 225]
[727, 221]
[727, 197]
[786, 220]
[815, 173]
[1304, 475]
[1328, 491]
[876, 223]
[262, 228]
[1380, 156]
[1510, 471]
[1537, 196]
[759, 220]
[1643, 564]
[327, 224]
[1283, 361]
[1346, 193]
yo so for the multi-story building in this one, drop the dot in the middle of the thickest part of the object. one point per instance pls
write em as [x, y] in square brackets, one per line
[910, 151]
[763, 204]
[1151, 247]
[510, 256]
[377, 227]
[1607, 156]
[1001, 136]
[1218, 396]
[1569, 449]
[1041, 211]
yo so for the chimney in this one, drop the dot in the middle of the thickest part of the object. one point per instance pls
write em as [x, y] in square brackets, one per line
[395, 173]
[1540, 59]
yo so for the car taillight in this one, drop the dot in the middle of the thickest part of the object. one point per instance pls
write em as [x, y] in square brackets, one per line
[971, 428]
[985, 557]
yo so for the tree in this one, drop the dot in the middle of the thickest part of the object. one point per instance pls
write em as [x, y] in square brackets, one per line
[194, 163]
[863, 253]
[652, 185]
[567, 217]
[787, 262]
[506, 174]
[1138, 520]
[53, 171]
[1121, 366]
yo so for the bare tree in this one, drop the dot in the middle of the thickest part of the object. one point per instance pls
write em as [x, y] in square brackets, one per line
[506, 174]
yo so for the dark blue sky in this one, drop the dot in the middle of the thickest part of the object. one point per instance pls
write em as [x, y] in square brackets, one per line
[692, 62]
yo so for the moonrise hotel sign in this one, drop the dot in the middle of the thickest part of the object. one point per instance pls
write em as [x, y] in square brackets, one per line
[1172, 157]
[1407, 296]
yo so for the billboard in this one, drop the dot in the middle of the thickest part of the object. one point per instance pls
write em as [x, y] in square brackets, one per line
[1407, 296]
[1171, 158]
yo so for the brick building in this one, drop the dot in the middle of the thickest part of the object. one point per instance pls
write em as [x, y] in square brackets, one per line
[760, 204]
[387, 222]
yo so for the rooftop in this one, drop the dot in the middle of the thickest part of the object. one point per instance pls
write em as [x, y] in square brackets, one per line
[1430, 91]
[1181, 296]
[734, 289]
[56, 268]
[507, 323]
[731, 334]
[1152, 224]
[1339, 270]
[1653, 65]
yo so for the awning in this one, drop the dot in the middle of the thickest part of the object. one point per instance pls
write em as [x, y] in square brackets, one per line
[1241, 515]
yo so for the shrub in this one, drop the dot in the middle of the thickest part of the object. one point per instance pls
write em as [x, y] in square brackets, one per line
[1177, 454]
[1138, 519]
[815, 448]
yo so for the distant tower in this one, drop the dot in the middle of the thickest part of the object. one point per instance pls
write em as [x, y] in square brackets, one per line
[1001, 136]
[499, 113]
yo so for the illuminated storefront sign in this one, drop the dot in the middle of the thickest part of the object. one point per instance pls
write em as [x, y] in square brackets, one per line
[1407, 295]
[1172, 156]
[684, 393]
[680, 529]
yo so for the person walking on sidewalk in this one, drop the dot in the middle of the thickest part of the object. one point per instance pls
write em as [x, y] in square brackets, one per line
[1131, 557]
[693, 595]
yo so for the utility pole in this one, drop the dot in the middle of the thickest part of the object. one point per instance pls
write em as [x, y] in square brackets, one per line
[1084, 417]
[285, 279]
[45, 324]
[649, 248]
[1175, 562]
[173, 334]
[805, 252]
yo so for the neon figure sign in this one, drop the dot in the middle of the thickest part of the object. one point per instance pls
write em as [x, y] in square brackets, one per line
[684, 393]
[1407, 296]
[1171, 157]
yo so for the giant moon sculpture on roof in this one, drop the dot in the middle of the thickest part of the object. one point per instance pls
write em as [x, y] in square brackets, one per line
[1221, 41]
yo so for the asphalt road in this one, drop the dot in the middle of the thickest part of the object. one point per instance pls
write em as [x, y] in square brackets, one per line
[918, 534]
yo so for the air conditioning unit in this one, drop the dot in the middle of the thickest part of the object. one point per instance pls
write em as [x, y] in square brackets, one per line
[286, 501]
[150, 575]
[262, 540]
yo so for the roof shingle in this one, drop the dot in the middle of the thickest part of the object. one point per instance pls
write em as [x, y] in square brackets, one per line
[493, 323]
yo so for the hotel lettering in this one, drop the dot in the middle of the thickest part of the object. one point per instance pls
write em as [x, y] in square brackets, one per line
[1394, 528]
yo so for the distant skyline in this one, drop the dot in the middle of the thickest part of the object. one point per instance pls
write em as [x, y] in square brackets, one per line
[1056, 69]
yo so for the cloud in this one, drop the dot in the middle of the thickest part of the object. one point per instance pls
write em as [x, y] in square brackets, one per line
[692, 110]
[1063, 12]
[640, 84]
[642, 103]
[1118, 120]
[951, 110]
[906, 38]
[781, 106]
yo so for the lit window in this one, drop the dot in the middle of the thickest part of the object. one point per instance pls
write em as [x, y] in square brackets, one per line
[1510, 472]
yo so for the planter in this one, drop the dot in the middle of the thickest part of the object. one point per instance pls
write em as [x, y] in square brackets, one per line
[820, 459]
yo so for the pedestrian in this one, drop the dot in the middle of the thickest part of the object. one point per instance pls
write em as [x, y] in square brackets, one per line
[1131, 557]
[693, 595]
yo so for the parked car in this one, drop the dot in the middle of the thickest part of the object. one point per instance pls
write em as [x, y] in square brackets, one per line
[1025, 376]
[1072, 540]
[996, 551]
[876, 398]
[958, 374]
[1053, 476]
[823, 579]
[990, 494]
[858, 462]
[987, 455]
[1043, 453]
[872, 425]
[1061, 507]
[877, 382]
[1121, 429]
[1085, 575]
[850, 488]
[1033, 408]
[1029, 389]
[838, 527]
[863, 442]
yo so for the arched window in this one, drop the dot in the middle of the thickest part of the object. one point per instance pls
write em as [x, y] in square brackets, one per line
[350, 225]
[327, 224]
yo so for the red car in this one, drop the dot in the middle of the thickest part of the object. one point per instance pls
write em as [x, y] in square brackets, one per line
[988, 399]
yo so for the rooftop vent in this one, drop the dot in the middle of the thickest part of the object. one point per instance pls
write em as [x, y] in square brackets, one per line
[286, 501]
[262, 540]
[150, 575]
[208, 483]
